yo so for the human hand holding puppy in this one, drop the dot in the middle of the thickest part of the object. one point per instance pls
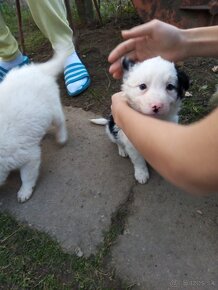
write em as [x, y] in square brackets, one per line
[185, 155]
[119, 102]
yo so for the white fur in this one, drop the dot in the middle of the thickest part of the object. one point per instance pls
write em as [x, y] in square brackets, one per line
[99, 121]
[156, 73]
[29, 104]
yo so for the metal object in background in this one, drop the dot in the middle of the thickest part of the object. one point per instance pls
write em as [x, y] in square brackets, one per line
[182, 13]
[98, 12]
[20, 27]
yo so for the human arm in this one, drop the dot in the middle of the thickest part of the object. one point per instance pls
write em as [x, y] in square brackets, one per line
[159, 38]
[187, 156]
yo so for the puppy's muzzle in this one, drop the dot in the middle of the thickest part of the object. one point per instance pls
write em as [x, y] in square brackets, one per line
[156, 107]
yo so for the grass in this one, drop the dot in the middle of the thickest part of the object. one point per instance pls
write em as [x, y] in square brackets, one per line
[29, 259]
[203, 82]
[115, 9]
[32, 260]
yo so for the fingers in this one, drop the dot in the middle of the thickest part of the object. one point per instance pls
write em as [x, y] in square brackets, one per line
[116, 68]
[118, 100]
[117, 75]
[121, 50]
[140, 30]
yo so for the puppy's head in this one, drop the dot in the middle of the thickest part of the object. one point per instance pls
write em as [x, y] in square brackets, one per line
[154, 86]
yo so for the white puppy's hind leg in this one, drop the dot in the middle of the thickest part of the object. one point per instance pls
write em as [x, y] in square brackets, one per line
[29, 173]
[60, 125]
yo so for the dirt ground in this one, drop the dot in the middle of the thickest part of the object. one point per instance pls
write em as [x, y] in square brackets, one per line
[94, 45]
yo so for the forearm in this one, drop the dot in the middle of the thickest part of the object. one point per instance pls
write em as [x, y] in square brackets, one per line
[201, 41]
[179, 153]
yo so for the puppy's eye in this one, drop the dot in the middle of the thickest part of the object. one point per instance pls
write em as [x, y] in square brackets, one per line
[170, 87]
[143, 87]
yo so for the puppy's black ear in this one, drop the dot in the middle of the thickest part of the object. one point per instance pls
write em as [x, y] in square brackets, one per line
[183, 82]
[127, 63]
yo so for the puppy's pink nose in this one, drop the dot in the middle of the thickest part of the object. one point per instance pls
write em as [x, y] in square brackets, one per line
[156, 107]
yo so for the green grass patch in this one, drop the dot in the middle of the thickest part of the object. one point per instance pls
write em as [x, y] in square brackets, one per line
[195, 107]
[30, 259]
[114, 9]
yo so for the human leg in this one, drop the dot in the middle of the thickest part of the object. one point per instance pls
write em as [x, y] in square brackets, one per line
[8, 44]
[10, 55]
[50, 17]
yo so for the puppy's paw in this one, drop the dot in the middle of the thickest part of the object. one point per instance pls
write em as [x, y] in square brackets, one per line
[24, 195]
[141, 175]
[61, 138]
[122, 152]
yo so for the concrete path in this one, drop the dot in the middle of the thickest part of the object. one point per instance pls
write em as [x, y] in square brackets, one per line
[171, 238]
[170, 241]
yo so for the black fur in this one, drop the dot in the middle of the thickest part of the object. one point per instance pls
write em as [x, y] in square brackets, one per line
[112, 126]
[183, 83]
[127, 63]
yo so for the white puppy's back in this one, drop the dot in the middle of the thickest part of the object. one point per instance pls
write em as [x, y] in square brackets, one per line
[29, 104]
[27, 94]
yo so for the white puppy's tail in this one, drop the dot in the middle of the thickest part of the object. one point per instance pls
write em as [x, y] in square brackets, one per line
[99, 121]
[55, 65]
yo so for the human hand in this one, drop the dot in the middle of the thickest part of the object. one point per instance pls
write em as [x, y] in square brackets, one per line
[151, 39]
[119, 102]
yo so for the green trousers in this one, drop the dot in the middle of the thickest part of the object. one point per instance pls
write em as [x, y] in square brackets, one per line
[50, 17]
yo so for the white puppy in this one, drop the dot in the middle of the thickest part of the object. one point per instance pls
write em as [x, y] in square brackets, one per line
[29, 104]
[153, 87]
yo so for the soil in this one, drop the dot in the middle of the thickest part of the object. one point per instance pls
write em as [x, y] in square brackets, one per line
[94, 45]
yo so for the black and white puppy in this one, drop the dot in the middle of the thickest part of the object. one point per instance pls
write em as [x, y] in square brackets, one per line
[153, 87]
